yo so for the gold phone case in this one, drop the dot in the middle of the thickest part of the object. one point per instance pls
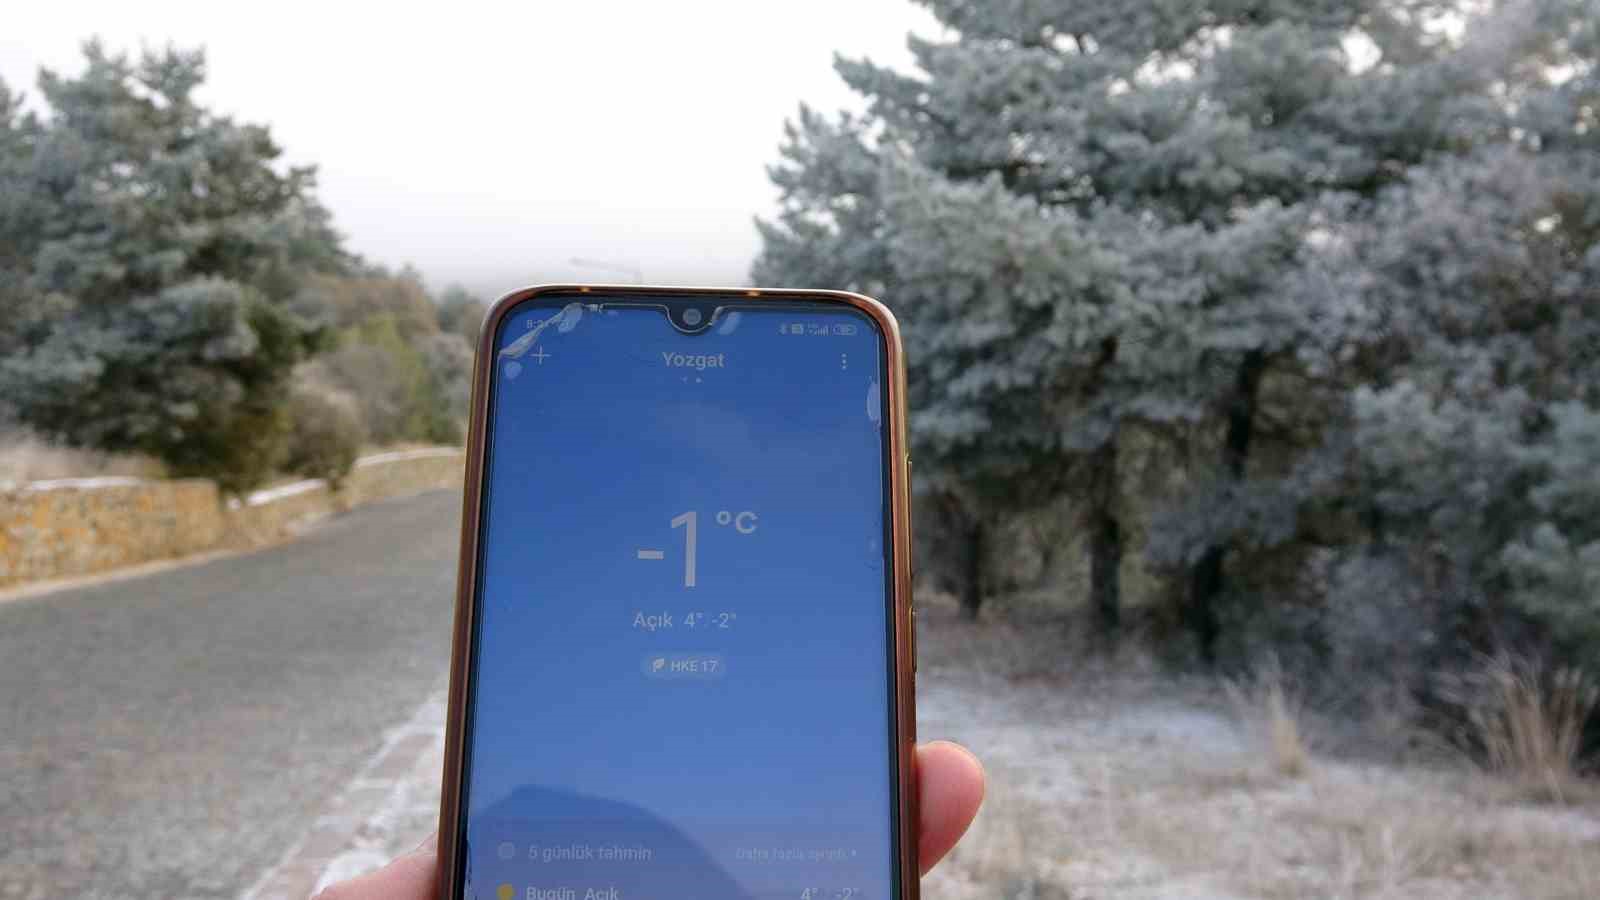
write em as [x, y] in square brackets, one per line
[899, 485]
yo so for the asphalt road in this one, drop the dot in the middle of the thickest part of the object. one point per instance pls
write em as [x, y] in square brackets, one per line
[169, 736]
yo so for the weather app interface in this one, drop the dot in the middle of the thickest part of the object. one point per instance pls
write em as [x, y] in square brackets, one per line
[682, 686]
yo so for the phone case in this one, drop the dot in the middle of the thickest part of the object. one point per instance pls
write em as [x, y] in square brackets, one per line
[898, 470]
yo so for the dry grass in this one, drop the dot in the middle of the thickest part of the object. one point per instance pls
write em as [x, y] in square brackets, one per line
[1270, 710]
[1030, 644]
[25, 458]
[1106, 785]
[1529, 723]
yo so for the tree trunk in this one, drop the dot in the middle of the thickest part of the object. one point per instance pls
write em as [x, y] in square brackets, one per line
[1205, 583]
[1105, 541]
[972, 580]
[1105, 574]
[1101, 522]
[1208, 578]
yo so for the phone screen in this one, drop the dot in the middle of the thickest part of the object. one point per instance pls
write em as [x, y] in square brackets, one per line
[682, 680]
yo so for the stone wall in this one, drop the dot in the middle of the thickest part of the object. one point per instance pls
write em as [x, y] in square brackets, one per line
[402, 473]
[81, 526]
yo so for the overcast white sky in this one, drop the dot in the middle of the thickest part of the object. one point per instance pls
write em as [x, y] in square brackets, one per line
[487, 143]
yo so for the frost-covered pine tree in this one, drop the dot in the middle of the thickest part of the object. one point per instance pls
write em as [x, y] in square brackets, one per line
[1100, 217]
[150, 254]
[1478, 431]
[978, 273]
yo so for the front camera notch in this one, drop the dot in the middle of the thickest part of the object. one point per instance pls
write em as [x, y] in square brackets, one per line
[692, 317]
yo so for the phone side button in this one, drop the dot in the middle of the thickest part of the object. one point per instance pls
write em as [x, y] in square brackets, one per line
[913, 641]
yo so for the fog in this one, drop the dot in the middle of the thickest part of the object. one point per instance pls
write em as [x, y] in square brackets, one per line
[492, 145]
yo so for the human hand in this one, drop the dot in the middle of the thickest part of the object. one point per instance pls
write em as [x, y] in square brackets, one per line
[949, 785]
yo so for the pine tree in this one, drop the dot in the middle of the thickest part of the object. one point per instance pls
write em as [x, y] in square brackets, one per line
[1104, 216]
[153, 252]
[1479, 432]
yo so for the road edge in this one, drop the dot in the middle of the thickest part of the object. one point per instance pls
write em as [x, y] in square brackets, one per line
[346, 839]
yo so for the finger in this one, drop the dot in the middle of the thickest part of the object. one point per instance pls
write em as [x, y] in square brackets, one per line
[950, 786]
[414, 876]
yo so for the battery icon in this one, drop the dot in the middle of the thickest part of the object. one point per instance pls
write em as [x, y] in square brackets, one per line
[845, 330]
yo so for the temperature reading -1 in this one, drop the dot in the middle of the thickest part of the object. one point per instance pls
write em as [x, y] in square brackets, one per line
[745, 523]
[691, 525]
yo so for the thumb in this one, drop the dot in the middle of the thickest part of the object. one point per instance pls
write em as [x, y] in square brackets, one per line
[414, 876]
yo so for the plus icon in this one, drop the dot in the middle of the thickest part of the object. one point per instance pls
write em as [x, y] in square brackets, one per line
[540, 355]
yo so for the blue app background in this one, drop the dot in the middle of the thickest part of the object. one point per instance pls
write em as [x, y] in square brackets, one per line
[633, 736]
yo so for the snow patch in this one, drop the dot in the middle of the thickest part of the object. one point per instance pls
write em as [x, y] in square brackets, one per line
[272, 495]
[378, 459]
[81, 484]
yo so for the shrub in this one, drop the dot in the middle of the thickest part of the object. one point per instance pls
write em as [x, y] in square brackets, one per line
[241, 451]
[447, 390]
[326, 433]
[460, 313]
[405, 388]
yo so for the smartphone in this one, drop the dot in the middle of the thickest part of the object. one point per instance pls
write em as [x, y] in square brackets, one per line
[683, 666]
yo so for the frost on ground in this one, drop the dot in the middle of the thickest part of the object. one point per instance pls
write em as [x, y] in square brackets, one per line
[1109, 780]
[404, 807]
[26, 458]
